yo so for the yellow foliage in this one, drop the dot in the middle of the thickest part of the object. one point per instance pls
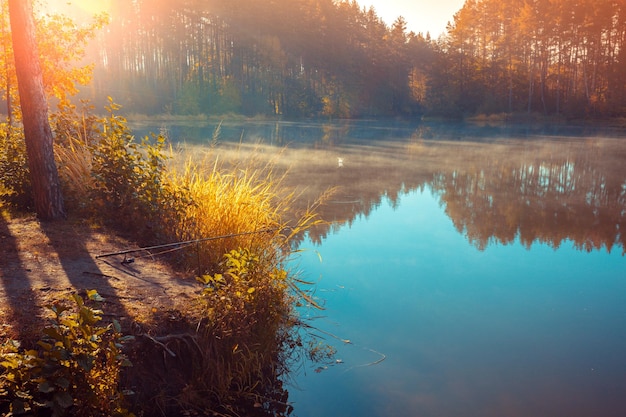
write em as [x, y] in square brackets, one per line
[227, 201]
[61, 44]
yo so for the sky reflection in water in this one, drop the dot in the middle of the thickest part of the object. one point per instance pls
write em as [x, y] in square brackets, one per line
[501, 332]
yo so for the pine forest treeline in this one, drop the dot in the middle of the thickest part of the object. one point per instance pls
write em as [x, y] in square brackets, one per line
[549, 56]
[307, 58]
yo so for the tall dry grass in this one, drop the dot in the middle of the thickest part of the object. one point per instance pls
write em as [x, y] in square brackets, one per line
[75, 167]
[241, 194]
[240, 201]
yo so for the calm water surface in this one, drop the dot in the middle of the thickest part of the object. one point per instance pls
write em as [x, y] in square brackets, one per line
[505, 331]
[466, 272]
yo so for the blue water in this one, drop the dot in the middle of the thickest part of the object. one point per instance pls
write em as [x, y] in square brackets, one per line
[505, 331]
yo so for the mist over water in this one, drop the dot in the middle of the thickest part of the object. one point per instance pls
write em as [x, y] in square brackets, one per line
[485, 266]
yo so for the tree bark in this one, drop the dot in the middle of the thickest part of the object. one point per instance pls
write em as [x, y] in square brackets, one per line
[38, 135]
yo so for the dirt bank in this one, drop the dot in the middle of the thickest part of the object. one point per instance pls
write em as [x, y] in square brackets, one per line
[43, 262]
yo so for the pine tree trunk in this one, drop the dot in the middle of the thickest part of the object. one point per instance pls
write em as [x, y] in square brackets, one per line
[43, 170]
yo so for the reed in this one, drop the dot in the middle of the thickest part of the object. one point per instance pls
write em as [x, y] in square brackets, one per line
[223, 201]
[75, 168]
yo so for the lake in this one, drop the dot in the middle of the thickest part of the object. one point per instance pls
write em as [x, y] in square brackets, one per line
[466, 270]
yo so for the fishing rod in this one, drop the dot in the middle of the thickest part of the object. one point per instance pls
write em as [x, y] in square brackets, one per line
[185, 243]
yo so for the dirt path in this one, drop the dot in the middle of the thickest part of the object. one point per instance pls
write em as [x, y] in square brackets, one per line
[42, 262]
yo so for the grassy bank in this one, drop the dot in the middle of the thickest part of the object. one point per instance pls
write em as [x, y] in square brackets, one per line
[224, 353]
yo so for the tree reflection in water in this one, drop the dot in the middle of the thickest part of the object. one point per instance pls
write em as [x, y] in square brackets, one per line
[543, 184]
[540, 192]
[548, 190]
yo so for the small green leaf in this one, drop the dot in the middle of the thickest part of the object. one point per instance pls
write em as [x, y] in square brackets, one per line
[204, 279]
[89, 316]
[78, 300]
[57, 308]
[94, 296]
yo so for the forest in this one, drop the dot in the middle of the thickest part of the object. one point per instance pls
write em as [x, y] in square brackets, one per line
[310, 58]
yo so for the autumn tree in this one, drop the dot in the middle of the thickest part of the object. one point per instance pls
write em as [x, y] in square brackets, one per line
[38, 135]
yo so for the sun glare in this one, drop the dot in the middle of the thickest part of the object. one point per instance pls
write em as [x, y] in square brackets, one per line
[78, 8]
[92, 7]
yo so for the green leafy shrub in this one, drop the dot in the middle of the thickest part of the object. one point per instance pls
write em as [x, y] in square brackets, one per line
[72, 123]
[15, 186]
[74, 370]
[110, 176]
[239, 268]
[128, 174]
[246, 310]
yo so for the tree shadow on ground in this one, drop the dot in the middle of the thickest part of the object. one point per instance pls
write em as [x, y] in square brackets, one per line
[44, 262]
[69, 242]
[21, 311]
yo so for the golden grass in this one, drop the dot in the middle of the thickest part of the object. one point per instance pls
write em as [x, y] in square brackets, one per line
[75, 166]
[242, 195]
[225, 203]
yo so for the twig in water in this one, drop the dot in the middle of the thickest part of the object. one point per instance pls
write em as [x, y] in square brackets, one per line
[346, 341]
[382, 358]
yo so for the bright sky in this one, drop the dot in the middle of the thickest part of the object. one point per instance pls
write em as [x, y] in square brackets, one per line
[421, 15]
